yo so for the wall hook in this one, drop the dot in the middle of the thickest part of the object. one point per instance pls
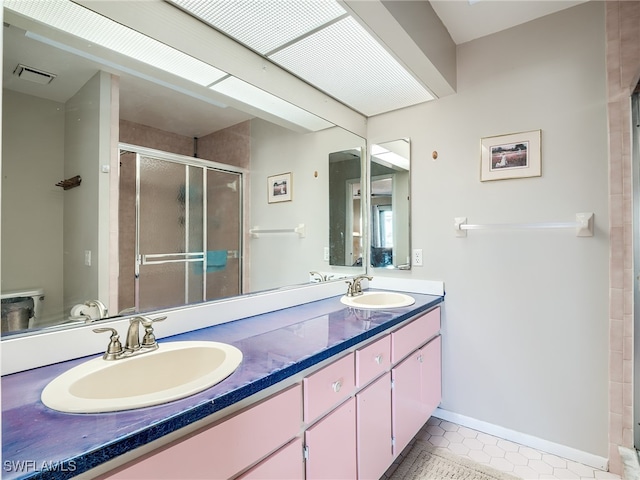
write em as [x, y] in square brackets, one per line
[70, 182]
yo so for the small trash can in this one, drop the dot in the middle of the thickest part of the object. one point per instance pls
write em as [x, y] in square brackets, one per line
[16, 312]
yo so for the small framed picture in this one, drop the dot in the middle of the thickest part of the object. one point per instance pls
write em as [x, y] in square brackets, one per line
[279, 188]
[515, 155]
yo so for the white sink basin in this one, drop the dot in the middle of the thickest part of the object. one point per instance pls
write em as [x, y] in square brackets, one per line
[379, 300]
[175, 370]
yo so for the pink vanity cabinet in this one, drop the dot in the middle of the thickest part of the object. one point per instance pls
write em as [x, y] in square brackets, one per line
[373, 408]
[347, 419]
[285, 464]
[417, 378]
[374, 446]
[225, 449]
[330, 440]
[330, 445]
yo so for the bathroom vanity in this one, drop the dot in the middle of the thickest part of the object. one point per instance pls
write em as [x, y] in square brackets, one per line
[323, 391]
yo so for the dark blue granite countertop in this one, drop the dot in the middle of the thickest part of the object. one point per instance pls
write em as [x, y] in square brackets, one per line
[38, 442]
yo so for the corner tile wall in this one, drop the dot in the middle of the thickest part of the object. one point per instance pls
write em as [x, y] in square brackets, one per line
[623, 69]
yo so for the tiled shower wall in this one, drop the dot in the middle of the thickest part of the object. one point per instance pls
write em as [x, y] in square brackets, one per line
[623, 72]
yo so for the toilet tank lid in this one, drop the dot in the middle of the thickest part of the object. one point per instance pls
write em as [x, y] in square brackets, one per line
[27, 292]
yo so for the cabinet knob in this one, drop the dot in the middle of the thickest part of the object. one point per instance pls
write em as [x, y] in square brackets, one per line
[337, 385]
[378, 359]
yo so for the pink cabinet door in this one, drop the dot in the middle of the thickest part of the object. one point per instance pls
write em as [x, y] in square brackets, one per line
[431, 375]
[285, 464]
[331, 445]
[227, 448]
[406, 399]
[373, 420]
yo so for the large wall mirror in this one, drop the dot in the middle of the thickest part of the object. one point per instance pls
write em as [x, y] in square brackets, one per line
[86, 133]
[390, 220]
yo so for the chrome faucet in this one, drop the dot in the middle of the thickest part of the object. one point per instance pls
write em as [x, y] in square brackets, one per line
[133, 335]
[317, 276]
[354, 287]
[133, 346]
[102, 309]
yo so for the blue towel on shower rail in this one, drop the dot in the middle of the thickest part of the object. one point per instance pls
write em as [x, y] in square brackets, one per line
[216, 261]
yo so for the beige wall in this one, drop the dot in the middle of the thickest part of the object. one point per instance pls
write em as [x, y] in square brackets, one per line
[526, 322]
[86, 208]
[277, 259]
[33, 142]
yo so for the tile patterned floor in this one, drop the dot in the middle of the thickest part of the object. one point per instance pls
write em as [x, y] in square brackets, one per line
[518, 460]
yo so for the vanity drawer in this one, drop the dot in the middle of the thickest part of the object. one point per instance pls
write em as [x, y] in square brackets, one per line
[373, 360]
[327, 387]
[223, 450]
[408, 338]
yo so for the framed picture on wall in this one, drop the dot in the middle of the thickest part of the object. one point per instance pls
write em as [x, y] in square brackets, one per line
[279, 188]
[515, 155]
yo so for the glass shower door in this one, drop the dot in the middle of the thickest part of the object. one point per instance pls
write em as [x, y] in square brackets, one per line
[169, 234]
[180, 209]
[223, 234]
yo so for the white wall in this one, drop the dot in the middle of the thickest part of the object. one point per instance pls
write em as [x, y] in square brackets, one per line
[87, 114]
[525, 326]
[286, 259]
[33, 158]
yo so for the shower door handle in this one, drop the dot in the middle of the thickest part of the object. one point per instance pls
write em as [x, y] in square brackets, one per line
[159, 258]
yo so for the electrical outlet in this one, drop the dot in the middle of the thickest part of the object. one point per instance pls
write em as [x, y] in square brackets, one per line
[417, 257]
[87, 258]
[326, 254]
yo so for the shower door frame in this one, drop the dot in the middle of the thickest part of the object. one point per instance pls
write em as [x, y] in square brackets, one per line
[189, 257]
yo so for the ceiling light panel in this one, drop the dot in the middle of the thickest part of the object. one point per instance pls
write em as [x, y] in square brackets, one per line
[346, 62]
[88, 25]
[235, 88]
[264, 25]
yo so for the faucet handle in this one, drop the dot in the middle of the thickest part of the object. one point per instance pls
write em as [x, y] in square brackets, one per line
[147, 322]
[115, 347]
[149, 339]
[350, 290]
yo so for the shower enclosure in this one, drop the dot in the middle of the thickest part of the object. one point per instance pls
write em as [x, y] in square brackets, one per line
[180, 230]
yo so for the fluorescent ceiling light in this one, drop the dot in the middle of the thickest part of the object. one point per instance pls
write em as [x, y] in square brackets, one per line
[88, 25]
[92, 27]
[264, 25]
[121, 68]
[389, 158]
[320, 43]
[347, 63]
[266, 102]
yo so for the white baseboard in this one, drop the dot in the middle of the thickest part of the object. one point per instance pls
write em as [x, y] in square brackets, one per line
[563, 451]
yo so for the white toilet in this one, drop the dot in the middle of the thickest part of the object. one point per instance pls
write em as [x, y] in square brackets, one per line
[36, 294]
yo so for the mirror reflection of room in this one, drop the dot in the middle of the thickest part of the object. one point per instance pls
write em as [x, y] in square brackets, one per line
[390, 200]
[81, 251]
[345, 208]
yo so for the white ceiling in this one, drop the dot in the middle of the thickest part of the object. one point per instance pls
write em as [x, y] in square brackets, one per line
[145, 103]
[466, 21]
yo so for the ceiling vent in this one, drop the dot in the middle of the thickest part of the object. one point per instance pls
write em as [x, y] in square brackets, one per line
[33, 75]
